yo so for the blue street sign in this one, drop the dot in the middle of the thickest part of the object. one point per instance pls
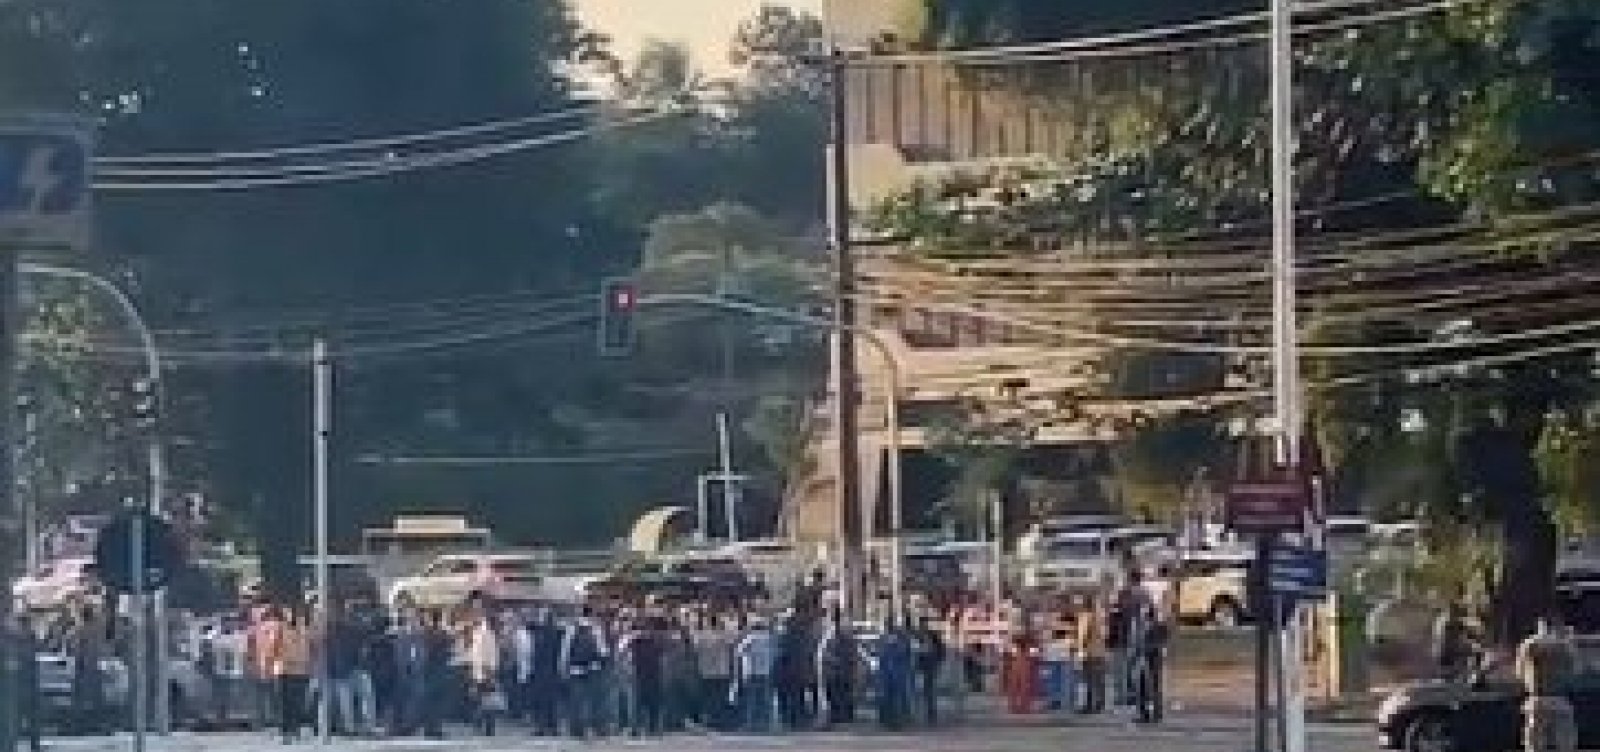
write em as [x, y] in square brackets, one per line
[1298, 573]
[46, 168]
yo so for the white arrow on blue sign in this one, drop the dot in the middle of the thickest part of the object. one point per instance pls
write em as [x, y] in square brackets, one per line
[46, 174]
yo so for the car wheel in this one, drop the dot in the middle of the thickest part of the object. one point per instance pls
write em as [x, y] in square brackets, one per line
[1429, 733]
[1225, 614]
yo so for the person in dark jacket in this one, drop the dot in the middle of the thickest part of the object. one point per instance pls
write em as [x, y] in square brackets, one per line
[930, 657]
[839, 660]
[422, 663]
[544, 691]
[895, 665]
[793, 673]
[343, 657]
[648, 648]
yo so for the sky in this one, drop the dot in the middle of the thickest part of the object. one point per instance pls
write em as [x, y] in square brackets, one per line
[704, 26]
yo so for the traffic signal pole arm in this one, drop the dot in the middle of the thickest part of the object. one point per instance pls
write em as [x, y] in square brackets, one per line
[879, 343]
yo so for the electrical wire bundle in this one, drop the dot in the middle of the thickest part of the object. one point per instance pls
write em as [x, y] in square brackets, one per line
[357, 159]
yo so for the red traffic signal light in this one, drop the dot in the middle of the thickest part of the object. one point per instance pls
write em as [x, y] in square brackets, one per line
[624, 298]
[619, 298]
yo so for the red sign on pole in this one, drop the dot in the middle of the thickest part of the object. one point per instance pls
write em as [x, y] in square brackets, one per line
[1267, 507]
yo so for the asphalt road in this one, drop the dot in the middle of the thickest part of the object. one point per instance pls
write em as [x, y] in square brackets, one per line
[1182, 735]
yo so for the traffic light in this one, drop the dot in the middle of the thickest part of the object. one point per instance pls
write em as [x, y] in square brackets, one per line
[619, 300]
[144, 405]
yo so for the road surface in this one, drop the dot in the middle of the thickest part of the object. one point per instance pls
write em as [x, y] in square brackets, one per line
[1181, 735]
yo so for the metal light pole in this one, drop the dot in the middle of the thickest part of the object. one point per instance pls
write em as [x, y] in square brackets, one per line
[322, 424]
[30, 490]
[1286, 387]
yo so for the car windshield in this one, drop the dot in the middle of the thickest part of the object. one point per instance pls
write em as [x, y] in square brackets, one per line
[1074, 549]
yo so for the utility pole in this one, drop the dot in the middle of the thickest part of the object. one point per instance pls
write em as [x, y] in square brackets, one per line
[846, 385]
[46, 163]
[10, 531]
[1285, 335]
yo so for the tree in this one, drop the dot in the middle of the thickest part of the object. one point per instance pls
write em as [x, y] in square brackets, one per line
[983, 447]
[662, 74]
[1478, 114]
[776, 49]
[760, 145]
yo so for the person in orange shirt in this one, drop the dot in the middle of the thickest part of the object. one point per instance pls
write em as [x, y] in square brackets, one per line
[286, 657]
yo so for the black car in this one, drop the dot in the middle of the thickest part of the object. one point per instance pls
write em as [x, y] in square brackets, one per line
[1483, 714]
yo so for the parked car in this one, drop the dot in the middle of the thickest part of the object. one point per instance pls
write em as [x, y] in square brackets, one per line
[1074, 562]
[1213, 587]
[1484, 714]
[1030, 545]
[55, 584]
[453, 578]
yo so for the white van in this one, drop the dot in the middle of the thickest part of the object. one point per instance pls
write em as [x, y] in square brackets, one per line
[1073, 561]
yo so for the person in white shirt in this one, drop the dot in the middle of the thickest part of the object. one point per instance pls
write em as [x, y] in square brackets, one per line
[483, 670]
[713, 649]
[520, 633]
[754, 656]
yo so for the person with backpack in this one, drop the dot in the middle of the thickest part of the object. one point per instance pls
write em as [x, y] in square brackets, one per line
[583, 664]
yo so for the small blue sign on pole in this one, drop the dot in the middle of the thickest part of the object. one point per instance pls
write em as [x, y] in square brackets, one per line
[46, 173]
[1298, 573]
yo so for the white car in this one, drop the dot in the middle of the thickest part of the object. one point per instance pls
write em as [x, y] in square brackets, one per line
[1074, 561]
[55, 584]
[452, 579]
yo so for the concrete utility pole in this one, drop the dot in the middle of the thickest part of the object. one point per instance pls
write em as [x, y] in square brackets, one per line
[846, 383]
[1286, 394]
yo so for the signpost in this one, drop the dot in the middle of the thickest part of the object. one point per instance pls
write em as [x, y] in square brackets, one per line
[1268, 508]
[1265, 510]
[138, 555]
[45, 164]
[1299, 574]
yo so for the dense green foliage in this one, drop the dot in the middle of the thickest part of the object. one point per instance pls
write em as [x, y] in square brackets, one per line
[1478, 113]
[273, 266]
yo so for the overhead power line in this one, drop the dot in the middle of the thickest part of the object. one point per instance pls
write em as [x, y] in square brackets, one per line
[358, 144]
[1129, 43]
[370, 168]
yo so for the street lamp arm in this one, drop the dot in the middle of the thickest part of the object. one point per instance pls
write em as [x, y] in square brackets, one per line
[130, 311]
[892, 364]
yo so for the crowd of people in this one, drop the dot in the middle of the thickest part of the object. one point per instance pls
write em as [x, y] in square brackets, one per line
[644, 669]
[642, 672]
[651, 669]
